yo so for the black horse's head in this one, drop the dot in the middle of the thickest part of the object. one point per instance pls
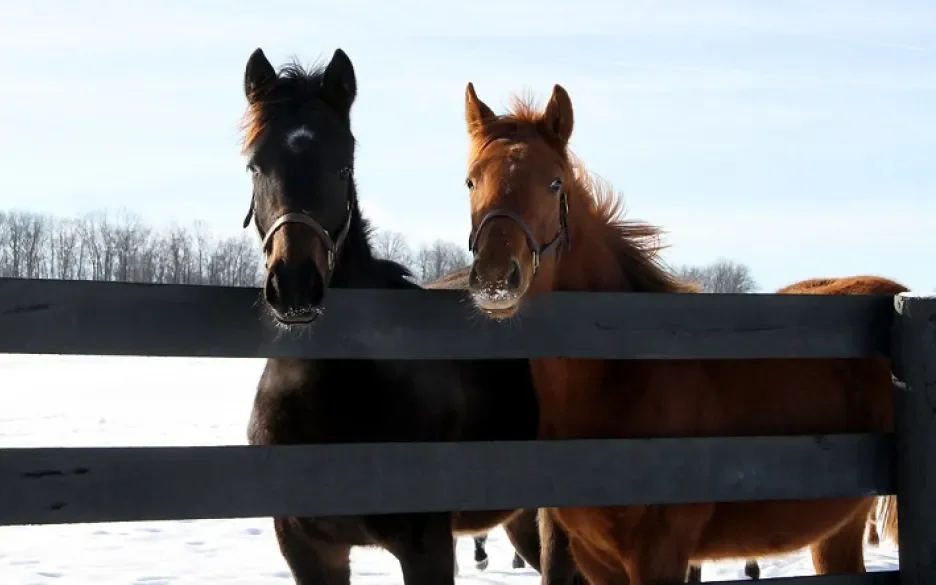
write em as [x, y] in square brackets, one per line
[300, 153]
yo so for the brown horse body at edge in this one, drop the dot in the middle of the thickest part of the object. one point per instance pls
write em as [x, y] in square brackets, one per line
[541, 223]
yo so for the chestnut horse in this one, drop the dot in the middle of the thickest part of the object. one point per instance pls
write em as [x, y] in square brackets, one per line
[540, 224]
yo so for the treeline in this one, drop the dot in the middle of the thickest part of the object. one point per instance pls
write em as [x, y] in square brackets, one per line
[428, 262]
[433, 261]
[122, 247]
[721, 276]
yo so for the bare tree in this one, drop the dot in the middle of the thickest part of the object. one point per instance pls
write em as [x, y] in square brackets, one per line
[24, 244]
[235, 262]
[65, 250]
[11, 239]
[721, 276]
[35, 244]
[131, 242]
[96, 234]
[391, 245]
[5, 260]
[438, 259]
[203, 249]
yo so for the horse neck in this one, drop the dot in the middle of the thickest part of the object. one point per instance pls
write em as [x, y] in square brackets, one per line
[356, 265]
[589, 265]
[601, 259]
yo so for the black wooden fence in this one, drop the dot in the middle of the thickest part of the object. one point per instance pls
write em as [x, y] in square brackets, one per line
[67, 485]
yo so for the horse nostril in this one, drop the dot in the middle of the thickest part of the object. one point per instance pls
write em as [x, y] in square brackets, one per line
[473, 281]
[513, 275]
[292, 286]
[271, 287]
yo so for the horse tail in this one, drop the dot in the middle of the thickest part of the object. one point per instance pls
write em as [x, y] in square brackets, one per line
[887, 519]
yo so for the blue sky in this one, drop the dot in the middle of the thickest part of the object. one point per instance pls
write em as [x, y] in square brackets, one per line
[798, 137]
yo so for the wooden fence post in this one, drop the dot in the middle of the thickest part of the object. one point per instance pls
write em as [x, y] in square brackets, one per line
[913, 357]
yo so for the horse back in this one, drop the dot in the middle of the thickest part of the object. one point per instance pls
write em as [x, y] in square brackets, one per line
[848, 285]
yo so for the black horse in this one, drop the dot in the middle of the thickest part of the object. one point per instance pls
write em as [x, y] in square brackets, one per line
[300, 149]
[481, 556]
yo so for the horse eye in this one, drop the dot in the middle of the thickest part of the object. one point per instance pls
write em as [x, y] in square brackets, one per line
[469, 183]
[252, 169]
[345, 172]
[555, 186]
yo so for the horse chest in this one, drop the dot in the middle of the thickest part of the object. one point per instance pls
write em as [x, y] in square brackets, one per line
[602, 399]
[329, 402]
[573, 401]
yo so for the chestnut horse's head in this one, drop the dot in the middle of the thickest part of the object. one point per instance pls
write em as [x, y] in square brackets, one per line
[301, 158]
[519, 173]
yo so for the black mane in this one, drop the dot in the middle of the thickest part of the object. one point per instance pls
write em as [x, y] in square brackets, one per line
[299, 82]
[358, 250]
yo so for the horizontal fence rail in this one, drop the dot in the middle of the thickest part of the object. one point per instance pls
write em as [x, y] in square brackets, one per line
[66, 485]
[876, 578]
[107, 318]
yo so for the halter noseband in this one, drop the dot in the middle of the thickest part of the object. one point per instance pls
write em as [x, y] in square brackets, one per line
[303, 217]
[562, 235]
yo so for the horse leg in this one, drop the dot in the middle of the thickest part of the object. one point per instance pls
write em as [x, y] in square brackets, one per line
[311, 561]
[557, 563]
[663, 566]
[843, 550]
[480, 555]
[595, 569]
[518, 562]
[523, 532]
[752, 570]
[668, 536]
[695, 574]
[426, 550]
[874, 537]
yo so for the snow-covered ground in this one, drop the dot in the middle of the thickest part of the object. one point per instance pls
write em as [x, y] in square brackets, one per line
[78, 401]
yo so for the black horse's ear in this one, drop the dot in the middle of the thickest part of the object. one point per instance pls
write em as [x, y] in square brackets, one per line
[258, 75]
[249, 216]
[339, 85]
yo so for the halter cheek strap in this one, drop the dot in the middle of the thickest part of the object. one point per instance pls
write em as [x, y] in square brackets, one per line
[561, 236]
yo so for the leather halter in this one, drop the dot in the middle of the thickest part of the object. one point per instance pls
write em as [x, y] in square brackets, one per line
[333, 245]
[562, 235]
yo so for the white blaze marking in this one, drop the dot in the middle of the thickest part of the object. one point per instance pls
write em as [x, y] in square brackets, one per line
[510, 171]
[295, 137]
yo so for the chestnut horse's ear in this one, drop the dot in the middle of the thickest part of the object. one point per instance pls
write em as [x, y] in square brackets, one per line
[557, 118]
[258, 75]
[339, 84]
[477, 113]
